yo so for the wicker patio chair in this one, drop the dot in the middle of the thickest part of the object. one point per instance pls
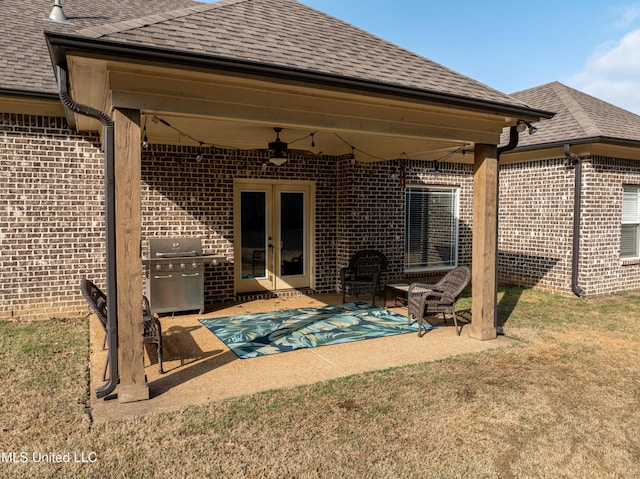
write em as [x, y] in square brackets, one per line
[98, 302]
[363, 273]
[425, 300]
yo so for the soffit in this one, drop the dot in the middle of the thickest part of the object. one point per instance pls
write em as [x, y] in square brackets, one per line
[30, 106]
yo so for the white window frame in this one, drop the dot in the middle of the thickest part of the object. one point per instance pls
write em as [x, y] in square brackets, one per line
[412, 266]
[630, 220]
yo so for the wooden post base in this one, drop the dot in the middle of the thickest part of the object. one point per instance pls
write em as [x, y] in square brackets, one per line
[133, 392]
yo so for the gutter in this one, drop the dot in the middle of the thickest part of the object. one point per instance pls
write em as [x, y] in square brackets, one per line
[182, 59]
[112, 299]
[577, 195]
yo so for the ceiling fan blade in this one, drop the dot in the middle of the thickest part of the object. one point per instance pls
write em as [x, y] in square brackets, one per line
[305, 153]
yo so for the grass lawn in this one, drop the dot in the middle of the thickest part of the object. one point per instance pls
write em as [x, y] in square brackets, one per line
[564, 402]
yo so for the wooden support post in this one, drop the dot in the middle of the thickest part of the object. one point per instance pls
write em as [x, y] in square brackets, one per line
[133, 386]
[484, 249]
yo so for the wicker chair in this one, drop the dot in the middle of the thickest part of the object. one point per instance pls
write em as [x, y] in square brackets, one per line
[428, 299]
[98, 302]
[363, 273]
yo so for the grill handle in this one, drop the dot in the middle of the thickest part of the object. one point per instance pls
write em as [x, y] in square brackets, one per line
[177, 255]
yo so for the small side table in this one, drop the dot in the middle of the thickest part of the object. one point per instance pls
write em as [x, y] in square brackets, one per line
[395, 292]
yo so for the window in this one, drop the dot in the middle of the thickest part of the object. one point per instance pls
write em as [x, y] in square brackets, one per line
[431, 228]
[630, 240]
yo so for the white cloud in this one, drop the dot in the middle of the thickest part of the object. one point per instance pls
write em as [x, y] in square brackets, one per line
[613, 73]
[628, 16]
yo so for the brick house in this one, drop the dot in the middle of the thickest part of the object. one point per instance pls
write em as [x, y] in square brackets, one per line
[538, 241]
[128, 121]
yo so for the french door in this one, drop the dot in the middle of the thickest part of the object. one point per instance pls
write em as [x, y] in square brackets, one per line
[273, 235]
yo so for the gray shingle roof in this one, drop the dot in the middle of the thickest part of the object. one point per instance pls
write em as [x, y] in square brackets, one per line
[578, 117]
[24, 59]
[288, 33]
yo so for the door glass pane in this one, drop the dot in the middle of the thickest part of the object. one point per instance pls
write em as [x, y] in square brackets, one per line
[292, 234]
[253, 233]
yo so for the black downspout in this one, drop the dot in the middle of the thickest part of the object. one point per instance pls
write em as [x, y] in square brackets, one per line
[514, 137]
[577, 195]
[109, 202]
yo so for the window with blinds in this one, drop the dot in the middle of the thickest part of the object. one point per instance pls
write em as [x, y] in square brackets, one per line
[630, 238]
[431, 228]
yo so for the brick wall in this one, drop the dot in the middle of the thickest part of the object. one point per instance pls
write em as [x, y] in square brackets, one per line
[51, 216]
[52, 211]
[536, 225]
[601, 269]
[184, 197]
[371, 209]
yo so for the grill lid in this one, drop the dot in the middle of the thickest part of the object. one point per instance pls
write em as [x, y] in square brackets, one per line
[181, 247]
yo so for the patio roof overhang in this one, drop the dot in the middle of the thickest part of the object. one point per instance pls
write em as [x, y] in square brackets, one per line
[222, 101]
[236, 103]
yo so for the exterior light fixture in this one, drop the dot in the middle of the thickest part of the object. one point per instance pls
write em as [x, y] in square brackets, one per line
[199, 155]
[522, 125]
[145, 140]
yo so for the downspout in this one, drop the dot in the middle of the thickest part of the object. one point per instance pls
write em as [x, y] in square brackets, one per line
[577, 163]
[109, 200]
[514, 137]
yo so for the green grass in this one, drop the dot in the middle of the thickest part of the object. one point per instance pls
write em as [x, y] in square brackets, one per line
[563, 403]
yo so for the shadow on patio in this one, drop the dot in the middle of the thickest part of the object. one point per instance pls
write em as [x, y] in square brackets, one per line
[199, 368]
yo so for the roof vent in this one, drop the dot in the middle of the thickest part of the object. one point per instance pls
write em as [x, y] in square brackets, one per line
[57, 14]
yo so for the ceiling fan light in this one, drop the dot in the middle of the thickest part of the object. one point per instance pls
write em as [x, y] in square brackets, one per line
[278, 159]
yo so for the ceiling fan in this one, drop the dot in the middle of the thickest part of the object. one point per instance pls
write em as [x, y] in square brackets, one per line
[280, 150]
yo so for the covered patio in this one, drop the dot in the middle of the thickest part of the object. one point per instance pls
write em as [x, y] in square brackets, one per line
[199, 368]
[361, 99]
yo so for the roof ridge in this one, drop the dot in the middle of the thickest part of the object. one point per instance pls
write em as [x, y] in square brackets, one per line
[124, 25]
[575, 109]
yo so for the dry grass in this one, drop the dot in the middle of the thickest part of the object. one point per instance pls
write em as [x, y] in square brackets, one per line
[564, 403]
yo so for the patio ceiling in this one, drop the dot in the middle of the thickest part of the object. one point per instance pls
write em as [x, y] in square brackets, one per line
[239, 110]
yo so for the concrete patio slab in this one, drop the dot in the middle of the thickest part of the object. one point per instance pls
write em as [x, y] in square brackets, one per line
[199, 368]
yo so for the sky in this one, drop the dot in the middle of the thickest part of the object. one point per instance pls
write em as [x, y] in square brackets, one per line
[590, 45]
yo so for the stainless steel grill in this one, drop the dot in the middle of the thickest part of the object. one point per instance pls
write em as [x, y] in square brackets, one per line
[175, 274]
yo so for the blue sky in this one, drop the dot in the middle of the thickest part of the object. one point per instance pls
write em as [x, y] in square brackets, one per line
[590, 45]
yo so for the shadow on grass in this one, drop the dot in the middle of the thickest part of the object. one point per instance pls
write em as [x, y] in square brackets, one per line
[508, 297]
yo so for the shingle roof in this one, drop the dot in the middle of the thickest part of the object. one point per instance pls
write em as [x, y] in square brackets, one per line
[288, 33]
[24, 59]
[578, 117]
